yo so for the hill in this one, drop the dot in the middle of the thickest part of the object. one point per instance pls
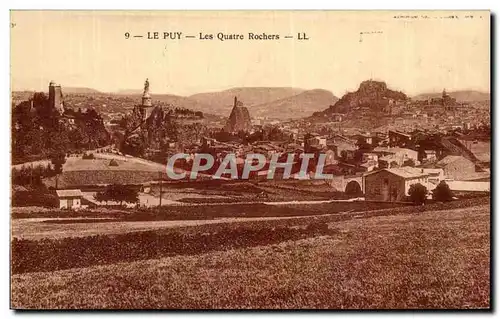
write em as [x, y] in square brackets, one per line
[174, 100]
[297, 106]
[181, 101]
[221, 103]
[128, 92]
[461, 96]
[79, 90]
[371, 96]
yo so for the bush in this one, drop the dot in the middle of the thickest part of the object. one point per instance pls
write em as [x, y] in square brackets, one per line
[417, 193]
[88, 156]
[442, 192]
[119, 193]
[113, 162]
[34, 198]
[317, 226]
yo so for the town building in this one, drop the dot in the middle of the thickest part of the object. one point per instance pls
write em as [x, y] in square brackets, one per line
[337, 117]
[397, 138]
[456, 167]
[315, 140]
[392, 184]
[343, 147]
[429, 156]
[397, 156]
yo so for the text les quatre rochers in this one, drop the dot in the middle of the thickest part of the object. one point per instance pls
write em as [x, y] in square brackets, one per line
[220, 36]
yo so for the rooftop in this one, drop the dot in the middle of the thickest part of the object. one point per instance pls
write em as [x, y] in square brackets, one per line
[399, 133]
[393, 150]
[404, 172]
[449, 159]
[69, 193]
[407, 172]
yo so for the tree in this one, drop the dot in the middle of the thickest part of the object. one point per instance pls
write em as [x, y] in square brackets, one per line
[362, 145]
[58, 160]
[113, 162]
[101, 197]
[418, 193]
[442, 192]
[38, 130]
[118, 193]
[134, 145]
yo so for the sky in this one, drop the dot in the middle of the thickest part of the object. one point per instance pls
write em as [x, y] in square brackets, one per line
[89, 49]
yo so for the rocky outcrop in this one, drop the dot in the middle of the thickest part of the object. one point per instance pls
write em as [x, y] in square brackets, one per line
[371, 94]
[239, 120]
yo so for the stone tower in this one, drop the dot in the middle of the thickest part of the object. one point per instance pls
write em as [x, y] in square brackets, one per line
[56, 97]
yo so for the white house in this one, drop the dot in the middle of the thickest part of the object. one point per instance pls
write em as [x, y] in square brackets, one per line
[69, 198]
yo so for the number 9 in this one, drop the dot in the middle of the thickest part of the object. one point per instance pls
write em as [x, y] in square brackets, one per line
[127, 35]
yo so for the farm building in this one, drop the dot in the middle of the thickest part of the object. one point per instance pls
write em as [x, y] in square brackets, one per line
[69, 198]
[393, 184]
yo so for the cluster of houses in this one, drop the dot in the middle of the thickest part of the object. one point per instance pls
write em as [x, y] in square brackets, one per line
[383, 164]
[387, 163]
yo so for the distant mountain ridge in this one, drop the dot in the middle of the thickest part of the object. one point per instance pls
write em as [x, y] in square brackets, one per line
[221, 102]
[79, 90]
[461, 96]
[128, 92]
[297, 106]
[280, 102]
[270, 102]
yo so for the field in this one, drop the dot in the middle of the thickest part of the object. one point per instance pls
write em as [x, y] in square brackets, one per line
[405, 258]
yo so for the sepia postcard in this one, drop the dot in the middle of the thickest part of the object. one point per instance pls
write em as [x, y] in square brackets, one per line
[250, 160]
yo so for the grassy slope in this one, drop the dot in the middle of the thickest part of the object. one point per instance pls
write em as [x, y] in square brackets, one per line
[428, 260]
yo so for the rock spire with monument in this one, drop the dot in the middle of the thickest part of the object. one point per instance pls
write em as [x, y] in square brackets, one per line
[146, 105]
